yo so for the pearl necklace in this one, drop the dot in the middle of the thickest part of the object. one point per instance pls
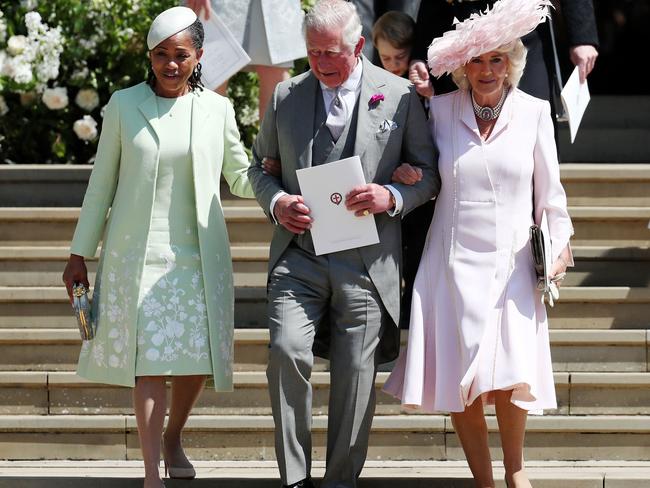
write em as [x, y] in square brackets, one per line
[489, 113]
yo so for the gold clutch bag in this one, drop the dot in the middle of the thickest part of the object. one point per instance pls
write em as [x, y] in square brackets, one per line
[81, 308]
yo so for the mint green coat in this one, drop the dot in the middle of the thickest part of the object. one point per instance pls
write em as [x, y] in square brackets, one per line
[123, 179]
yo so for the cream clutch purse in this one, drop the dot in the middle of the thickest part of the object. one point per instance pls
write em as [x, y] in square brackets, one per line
[547, 285]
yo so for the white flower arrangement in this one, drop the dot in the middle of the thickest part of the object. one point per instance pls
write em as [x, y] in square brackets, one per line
[33, 59]
[55, 98]
[16, 45]
[54, 52]
[88, 44]
[85, 128]
[87, 99]
[249, 115]
[3, 28]
[80, 74]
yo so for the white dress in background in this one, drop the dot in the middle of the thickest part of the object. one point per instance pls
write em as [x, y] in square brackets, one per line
[270, 31]
[477, 321]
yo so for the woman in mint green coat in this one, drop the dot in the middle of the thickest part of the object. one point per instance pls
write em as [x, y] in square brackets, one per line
[163, 296]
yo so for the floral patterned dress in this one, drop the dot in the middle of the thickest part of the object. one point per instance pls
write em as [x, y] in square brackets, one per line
[172, 327]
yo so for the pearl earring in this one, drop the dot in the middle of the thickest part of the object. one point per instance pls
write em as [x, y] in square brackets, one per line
[506, 75]
[464, 75]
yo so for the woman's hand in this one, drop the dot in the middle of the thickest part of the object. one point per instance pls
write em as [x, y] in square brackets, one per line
[200, 5]
[75, 272]
[407, 174]
[558, 270]
[272, 167]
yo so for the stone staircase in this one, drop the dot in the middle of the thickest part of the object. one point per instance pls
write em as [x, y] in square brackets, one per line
[600, 337]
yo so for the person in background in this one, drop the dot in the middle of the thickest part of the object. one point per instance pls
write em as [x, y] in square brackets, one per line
[163, 297]
[370, 10]
[479, 331]
[392, 36]
[270, 31]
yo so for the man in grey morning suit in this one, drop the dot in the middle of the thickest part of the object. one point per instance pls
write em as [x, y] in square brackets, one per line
[351, 298]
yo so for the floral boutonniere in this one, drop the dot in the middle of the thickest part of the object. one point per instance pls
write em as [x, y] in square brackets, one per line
[375, 99]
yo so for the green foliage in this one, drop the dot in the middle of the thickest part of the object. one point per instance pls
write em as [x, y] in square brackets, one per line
[104, 50]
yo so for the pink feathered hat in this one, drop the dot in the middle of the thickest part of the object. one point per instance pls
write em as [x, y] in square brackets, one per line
[484, 32]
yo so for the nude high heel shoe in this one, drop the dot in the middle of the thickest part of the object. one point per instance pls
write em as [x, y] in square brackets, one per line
[176, 472]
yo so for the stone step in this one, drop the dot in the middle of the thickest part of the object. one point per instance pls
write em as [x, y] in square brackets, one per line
[602, 184]
[376, 474]
[611, 226]
[578, 308]
[63, 393]
[43, 265]
[246, 437]
[572, 350]
[64, 185]
[59, 392]
[48, 307]
[595, 266]
[58, 349]
[601, 307]
[609, 266]
[594, 225]
[55, 226]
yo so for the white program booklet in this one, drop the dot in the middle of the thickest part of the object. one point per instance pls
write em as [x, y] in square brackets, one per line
[334, 227]
[575, 98]
[223, 56]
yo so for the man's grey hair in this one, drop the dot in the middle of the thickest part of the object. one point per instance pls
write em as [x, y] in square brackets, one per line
[328, 14]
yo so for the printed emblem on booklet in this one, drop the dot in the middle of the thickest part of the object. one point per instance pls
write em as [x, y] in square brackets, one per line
[336, 198]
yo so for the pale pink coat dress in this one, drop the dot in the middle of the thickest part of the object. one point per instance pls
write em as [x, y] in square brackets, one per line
[477, 321]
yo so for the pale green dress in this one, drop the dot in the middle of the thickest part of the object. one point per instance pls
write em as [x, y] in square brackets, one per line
[172, 329]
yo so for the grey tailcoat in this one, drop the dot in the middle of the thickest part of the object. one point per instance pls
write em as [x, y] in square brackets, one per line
[287, 132]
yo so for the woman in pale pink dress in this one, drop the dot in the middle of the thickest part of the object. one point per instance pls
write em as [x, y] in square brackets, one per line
[478, 332]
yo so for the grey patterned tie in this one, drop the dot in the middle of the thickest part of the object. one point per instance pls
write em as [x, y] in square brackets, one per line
[336, 117]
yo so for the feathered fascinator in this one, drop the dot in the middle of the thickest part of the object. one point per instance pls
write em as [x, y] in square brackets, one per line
[484, 32]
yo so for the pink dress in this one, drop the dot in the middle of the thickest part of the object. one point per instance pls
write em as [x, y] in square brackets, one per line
[477, 321]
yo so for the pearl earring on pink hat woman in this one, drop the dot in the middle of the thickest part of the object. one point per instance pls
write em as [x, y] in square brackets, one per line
[479, 332]
[163, 296]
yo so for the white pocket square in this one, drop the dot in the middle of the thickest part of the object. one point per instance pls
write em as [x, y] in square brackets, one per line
[387, 125]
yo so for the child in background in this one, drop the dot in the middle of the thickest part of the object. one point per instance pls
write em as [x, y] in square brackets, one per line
[392, 36]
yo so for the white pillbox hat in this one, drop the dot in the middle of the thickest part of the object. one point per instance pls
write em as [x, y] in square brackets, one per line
[168, 23]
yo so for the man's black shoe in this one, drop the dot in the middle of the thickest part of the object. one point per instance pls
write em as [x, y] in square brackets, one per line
[306, 483]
